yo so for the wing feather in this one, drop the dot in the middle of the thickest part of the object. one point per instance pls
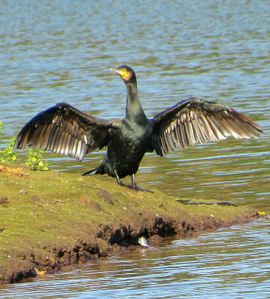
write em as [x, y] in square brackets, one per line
[64, 130]
[196, 121]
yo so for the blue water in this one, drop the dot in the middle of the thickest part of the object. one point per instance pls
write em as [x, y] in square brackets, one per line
[54, 51]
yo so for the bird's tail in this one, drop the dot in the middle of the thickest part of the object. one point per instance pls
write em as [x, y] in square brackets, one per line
[97, 170]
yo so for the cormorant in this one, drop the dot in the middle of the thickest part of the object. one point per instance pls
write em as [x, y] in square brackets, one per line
[64, 130]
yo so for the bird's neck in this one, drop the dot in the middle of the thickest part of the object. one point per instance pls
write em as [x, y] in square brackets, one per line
[134, 110]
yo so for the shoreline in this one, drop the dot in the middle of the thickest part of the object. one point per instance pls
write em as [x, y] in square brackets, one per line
[51, 220]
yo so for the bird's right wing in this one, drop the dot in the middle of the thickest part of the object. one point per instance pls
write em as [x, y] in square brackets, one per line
[64, 130]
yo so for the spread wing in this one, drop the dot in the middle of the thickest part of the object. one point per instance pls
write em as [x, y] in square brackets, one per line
[194, 121]
[64, 130]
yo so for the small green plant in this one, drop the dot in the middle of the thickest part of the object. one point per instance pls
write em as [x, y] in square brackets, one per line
[7, 155]
[35, 160]
[1, 126]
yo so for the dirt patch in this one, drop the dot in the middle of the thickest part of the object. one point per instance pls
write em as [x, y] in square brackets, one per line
[3, 200]
[47, 227]
[13, 171]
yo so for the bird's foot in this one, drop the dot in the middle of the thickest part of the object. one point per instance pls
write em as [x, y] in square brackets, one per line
[137, 188]
[120, 183]
[133, 185]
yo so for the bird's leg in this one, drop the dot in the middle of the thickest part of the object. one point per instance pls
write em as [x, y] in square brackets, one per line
[119, 182]
[133, 183]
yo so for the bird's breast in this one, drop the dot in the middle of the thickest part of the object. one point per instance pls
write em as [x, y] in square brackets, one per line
[127, 148]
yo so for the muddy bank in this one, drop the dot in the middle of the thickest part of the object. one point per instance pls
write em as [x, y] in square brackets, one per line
[51, 220]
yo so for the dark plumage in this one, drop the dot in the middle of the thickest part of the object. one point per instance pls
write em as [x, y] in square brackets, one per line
[64, 130]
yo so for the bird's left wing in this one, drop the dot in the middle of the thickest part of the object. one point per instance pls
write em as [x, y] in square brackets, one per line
[65, 130]
[194, 121]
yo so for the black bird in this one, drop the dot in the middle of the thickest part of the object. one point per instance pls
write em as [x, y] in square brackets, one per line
[64, 130]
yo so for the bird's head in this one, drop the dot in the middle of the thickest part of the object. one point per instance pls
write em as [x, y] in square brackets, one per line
[126, 73]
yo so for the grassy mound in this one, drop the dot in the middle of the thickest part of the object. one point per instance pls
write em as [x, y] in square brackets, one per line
[49, 219]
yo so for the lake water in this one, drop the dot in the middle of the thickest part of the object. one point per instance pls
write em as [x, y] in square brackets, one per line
[54, 51]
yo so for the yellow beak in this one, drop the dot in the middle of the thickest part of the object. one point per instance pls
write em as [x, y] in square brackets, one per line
[123, 73]
[117, 71]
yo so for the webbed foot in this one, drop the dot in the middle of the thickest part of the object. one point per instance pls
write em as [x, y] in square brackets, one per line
[137, 188]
